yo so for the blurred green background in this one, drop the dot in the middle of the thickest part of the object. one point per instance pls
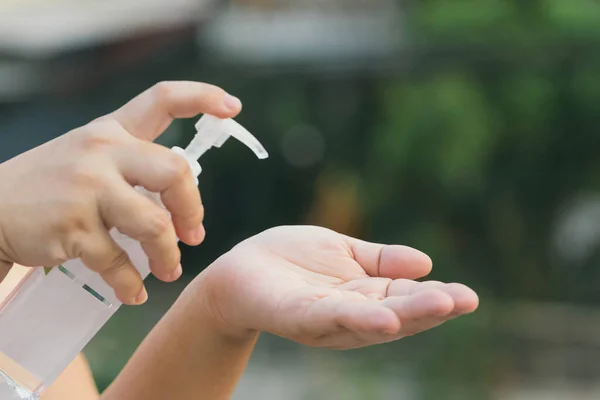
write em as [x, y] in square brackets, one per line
[467, 128]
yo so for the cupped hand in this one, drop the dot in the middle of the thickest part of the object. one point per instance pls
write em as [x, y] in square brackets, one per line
[59, 201]
[324, 289]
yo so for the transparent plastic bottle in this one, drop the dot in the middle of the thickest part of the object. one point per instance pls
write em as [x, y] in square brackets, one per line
[47, 317]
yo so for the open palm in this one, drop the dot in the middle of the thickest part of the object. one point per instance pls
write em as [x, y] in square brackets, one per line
[324, 289]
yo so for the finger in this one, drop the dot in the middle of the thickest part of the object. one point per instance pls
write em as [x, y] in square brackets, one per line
[402, 287]
[412, 327]
[330, 314]
[417, 313]
[353, 340]
[5, 268]
[464, 298]
[347, 340]
[149, 114]
[372, 288]
[389, 261]
[104, 256]
[425, 304]
[369, 326]
[160, 170]
[141, 219]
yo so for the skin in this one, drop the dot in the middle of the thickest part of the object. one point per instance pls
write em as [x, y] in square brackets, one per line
[75, 383]
[307, 284]
[304, 283]
[80, 185]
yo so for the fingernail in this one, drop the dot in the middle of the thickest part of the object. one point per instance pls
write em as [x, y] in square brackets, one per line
[232, 103]
[142, 297]
[176, 274]
[390, 331]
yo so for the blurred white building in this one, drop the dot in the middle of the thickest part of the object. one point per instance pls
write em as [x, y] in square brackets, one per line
[317, 33]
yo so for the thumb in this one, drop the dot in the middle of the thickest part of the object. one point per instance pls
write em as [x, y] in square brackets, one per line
[389, 261]
[150, 113]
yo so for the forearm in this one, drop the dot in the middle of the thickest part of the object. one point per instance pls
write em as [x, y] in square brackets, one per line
[75, 383]
[184, 357]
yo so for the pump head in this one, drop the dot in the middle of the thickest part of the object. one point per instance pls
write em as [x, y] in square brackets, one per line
[213, 132]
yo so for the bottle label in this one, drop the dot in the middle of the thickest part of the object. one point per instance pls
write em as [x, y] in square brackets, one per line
[84, 286]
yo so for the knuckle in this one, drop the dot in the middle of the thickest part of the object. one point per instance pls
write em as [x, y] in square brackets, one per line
[176, 167]
[100, 135]
[73, 222]
[163, 91]
[158, 224]
[84, 175]
[117, 262]
[57, 253]
[77, 236]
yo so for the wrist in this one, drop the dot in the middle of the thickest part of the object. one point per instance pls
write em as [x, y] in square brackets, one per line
[204, 300]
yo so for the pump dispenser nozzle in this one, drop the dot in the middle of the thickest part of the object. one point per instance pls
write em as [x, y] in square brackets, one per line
[213, 132]
[72, 303]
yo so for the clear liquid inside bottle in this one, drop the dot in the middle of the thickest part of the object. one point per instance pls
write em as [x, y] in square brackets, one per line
[47, 318]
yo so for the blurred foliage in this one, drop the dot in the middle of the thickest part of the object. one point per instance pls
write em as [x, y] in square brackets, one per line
[470, 152]
[484, 149]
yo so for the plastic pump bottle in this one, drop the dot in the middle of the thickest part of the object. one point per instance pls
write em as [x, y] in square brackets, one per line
[49, 317]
